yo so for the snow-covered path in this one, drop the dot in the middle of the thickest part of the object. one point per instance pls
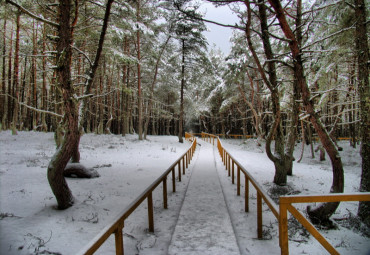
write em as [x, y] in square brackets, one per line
[204, 225]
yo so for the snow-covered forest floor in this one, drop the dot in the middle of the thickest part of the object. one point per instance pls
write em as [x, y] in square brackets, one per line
[29, 224]
[309, 177]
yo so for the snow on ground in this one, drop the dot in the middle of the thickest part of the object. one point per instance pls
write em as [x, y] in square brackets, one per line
[309, 177]
[29, 224]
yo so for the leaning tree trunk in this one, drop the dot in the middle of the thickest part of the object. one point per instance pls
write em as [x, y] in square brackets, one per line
[362, 50]
[292, 130]
[280, 177]
[60, 159]
[323, 212]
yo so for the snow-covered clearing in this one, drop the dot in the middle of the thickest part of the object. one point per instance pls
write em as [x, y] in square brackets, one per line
[29, 224]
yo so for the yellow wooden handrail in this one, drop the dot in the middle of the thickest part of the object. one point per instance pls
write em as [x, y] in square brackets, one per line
[116, 226]
[285, 202]
[251, 136]
[285, 205]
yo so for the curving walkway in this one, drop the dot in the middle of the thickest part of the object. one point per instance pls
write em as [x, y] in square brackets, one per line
[204, 225]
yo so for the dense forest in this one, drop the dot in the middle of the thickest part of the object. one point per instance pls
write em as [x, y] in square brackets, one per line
[297, 70]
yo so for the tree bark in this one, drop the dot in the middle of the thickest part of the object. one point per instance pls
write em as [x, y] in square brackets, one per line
[362, 50]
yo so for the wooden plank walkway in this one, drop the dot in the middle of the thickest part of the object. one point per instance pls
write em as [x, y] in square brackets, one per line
[204, 225]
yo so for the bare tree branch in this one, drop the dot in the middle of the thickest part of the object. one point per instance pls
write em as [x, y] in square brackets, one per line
[22, 9]
[33, 108]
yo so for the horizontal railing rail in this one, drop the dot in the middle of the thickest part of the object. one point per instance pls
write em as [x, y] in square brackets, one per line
[117, 224]
[252, 136]
[285, 202]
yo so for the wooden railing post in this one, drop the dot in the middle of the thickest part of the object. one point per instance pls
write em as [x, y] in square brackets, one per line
[179, 172]
[233, 174]
[246, 194]
[238, 182]
[283, 229]
[229, 165]
[150, 212]
[165, 193]
[118, 235]
[179, 166]
[173, 180]
[259, 215]
[186, 159]
[183, 163]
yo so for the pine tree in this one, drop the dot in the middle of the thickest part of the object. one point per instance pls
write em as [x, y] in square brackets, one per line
[189, 33]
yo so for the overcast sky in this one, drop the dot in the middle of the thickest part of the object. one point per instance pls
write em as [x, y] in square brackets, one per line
[218, 35]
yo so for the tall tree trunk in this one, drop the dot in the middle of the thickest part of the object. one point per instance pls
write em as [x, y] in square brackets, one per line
[100, 116]
[4, 97]
[16, 77]
[10, 90]
[44, 90]
[181, 117]
[60, 159]
[276, 130]
[35, 114]
[310, 140]
[256, 117]
[292, 130]
[139, 96]
[90, 81]
[150, 104]
[110, 100]
[362, 50]
[124, 100]
[25, 96]
[323, 212]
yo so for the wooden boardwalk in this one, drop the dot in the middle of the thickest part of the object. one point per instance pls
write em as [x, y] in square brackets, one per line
[204, 225]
